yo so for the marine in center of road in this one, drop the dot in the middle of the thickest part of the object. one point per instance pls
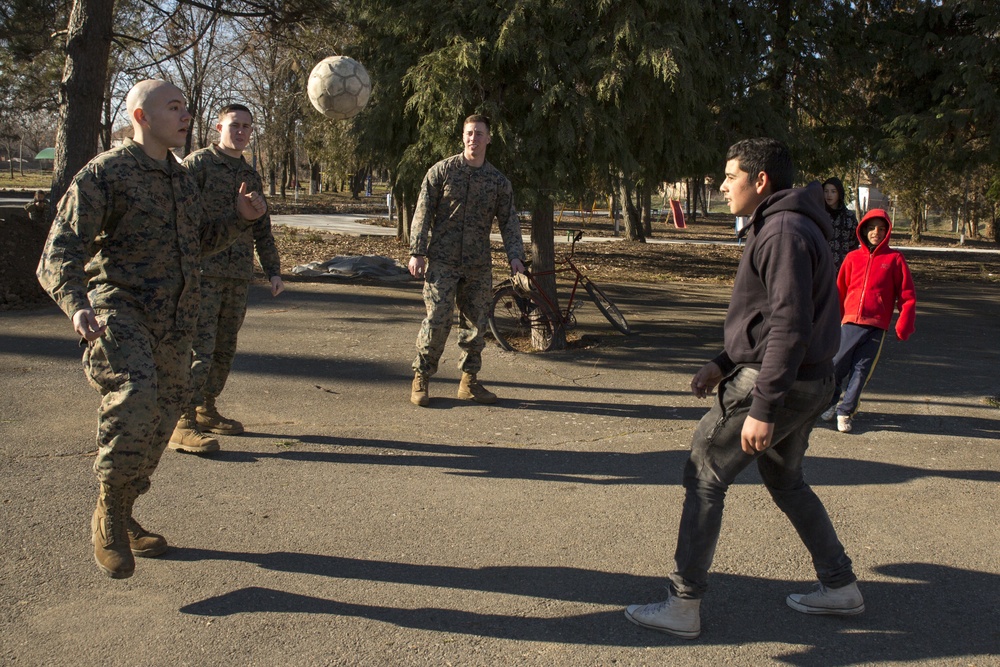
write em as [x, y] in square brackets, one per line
[450, 249]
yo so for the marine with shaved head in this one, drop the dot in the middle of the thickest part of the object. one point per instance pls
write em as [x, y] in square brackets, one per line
[122, 261]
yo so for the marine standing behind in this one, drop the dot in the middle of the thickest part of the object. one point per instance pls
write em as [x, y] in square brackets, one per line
[121, 260]
[450, 248]
[225, 280]
[37, 207]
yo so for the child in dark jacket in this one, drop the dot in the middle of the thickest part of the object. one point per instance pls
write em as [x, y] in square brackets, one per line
[873, 280]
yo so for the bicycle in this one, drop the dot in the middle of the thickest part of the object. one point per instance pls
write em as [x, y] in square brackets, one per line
[522, 318]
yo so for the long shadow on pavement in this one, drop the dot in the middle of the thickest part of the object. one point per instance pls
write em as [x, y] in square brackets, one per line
[580, 467]
[940, 612]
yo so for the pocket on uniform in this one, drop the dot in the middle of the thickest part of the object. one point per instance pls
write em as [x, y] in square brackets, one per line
[103, 363]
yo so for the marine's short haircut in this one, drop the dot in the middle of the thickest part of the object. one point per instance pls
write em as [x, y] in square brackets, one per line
[766, 155]
[478, 118]
[230, 108]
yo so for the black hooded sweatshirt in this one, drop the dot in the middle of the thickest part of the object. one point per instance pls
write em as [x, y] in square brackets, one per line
[784, 316]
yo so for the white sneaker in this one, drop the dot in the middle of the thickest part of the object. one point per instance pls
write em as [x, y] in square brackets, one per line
[829, 413]
[844, 601]
[844, 424]
[675, 616]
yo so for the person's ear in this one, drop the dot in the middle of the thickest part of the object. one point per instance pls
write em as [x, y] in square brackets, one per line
[218, 128]
[762, 184]
[140, 117]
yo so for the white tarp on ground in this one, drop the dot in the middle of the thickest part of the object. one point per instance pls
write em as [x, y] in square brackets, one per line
[357, 266]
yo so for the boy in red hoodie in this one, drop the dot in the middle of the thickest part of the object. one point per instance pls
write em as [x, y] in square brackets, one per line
[873, 280]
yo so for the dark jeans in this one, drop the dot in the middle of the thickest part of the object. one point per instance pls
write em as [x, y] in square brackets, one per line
[860, 347]
[717, 458]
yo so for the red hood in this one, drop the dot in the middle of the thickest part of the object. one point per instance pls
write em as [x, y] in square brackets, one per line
[874, 213]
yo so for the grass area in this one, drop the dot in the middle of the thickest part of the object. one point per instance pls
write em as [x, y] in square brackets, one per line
[31, 180]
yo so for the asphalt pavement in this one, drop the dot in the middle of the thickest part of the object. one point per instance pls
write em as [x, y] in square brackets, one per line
[349, 527]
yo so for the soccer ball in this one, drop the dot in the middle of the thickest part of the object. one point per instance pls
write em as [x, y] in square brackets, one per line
[339, 87]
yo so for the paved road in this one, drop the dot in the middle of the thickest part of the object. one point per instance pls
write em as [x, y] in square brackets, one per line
[348, 527]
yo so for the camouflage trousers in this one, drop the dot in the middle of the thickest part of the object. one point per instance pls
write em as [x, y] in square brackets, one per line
[444, 288]
[144, 380]
[223, 308]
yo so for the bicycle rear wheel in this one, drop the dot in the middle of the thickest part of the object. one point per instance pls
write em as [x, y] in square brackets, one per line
[520, 322]
[607, 308]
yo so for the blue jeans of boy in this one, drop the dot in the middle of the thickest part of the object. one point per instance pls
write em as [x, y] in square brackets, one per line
[860, 348]
[717, 458]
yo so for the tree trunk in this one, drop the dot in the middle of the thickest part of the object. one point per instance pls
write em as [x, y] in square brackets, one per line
[646, 192]
[104, 134]
[633, 224]
[315, 177]
[916, 212]
[194, 108]
[692, 188]
[284, 179]
[358, 182]
[405, 202]
[543, 256]
[88, 43]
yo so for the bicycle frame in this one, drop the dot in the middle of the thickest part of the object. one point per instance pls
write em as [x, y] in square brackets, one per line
[564, 265]
[520, 310]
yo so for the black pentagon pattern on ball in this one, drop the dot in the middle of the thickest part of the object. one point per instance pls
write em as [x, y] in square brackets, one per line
[339, 87]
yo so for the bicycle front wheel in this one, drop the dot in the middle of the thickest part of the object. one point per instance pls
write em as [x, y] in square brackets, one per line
[607, 308]
[520, 322]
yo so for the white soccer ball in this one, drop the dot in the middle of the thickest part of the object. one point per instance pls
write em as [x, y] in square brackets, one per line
[339, 87]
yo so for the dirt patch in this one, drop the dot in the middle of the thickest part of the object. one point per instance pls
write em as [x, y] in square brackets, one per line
[653, 263]
[612, 262]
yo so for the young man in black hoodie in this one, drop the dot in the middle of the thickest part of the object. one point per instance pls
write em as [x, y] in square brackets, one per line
[775, 377]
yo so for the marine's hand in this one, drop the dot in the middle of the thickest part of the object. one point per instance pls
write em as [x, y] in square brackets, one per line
[705, 380]
[250, 205]
[516, 266]
[277, 285]
[417, 266]
[756, 435]
[86, 324]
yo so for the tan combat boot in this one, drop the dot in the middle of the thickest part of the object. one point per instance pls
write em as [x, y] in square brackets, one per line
[108, 533]
[187, 438]
[141, 542]
[418, 392]
[470, 389]
[210, 421]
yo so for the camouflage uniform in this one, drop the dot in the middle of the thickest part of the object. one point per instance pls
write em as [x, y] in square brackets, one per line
[225, 276]
[451, 227]
[36, 210]
[127, 240]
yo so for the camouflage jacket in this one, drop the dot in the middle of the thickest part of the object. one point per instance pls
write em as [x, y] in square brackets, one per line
[129, 234]
[455, 211]
[219, 177]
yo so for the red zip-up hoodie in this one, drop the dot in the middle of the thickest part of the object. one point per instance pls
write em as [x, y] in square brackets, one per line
[872, 281]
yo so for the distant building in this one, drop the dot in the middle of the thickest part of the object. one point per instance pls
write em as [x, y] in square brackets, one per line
[119, 136]
[870, 197]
